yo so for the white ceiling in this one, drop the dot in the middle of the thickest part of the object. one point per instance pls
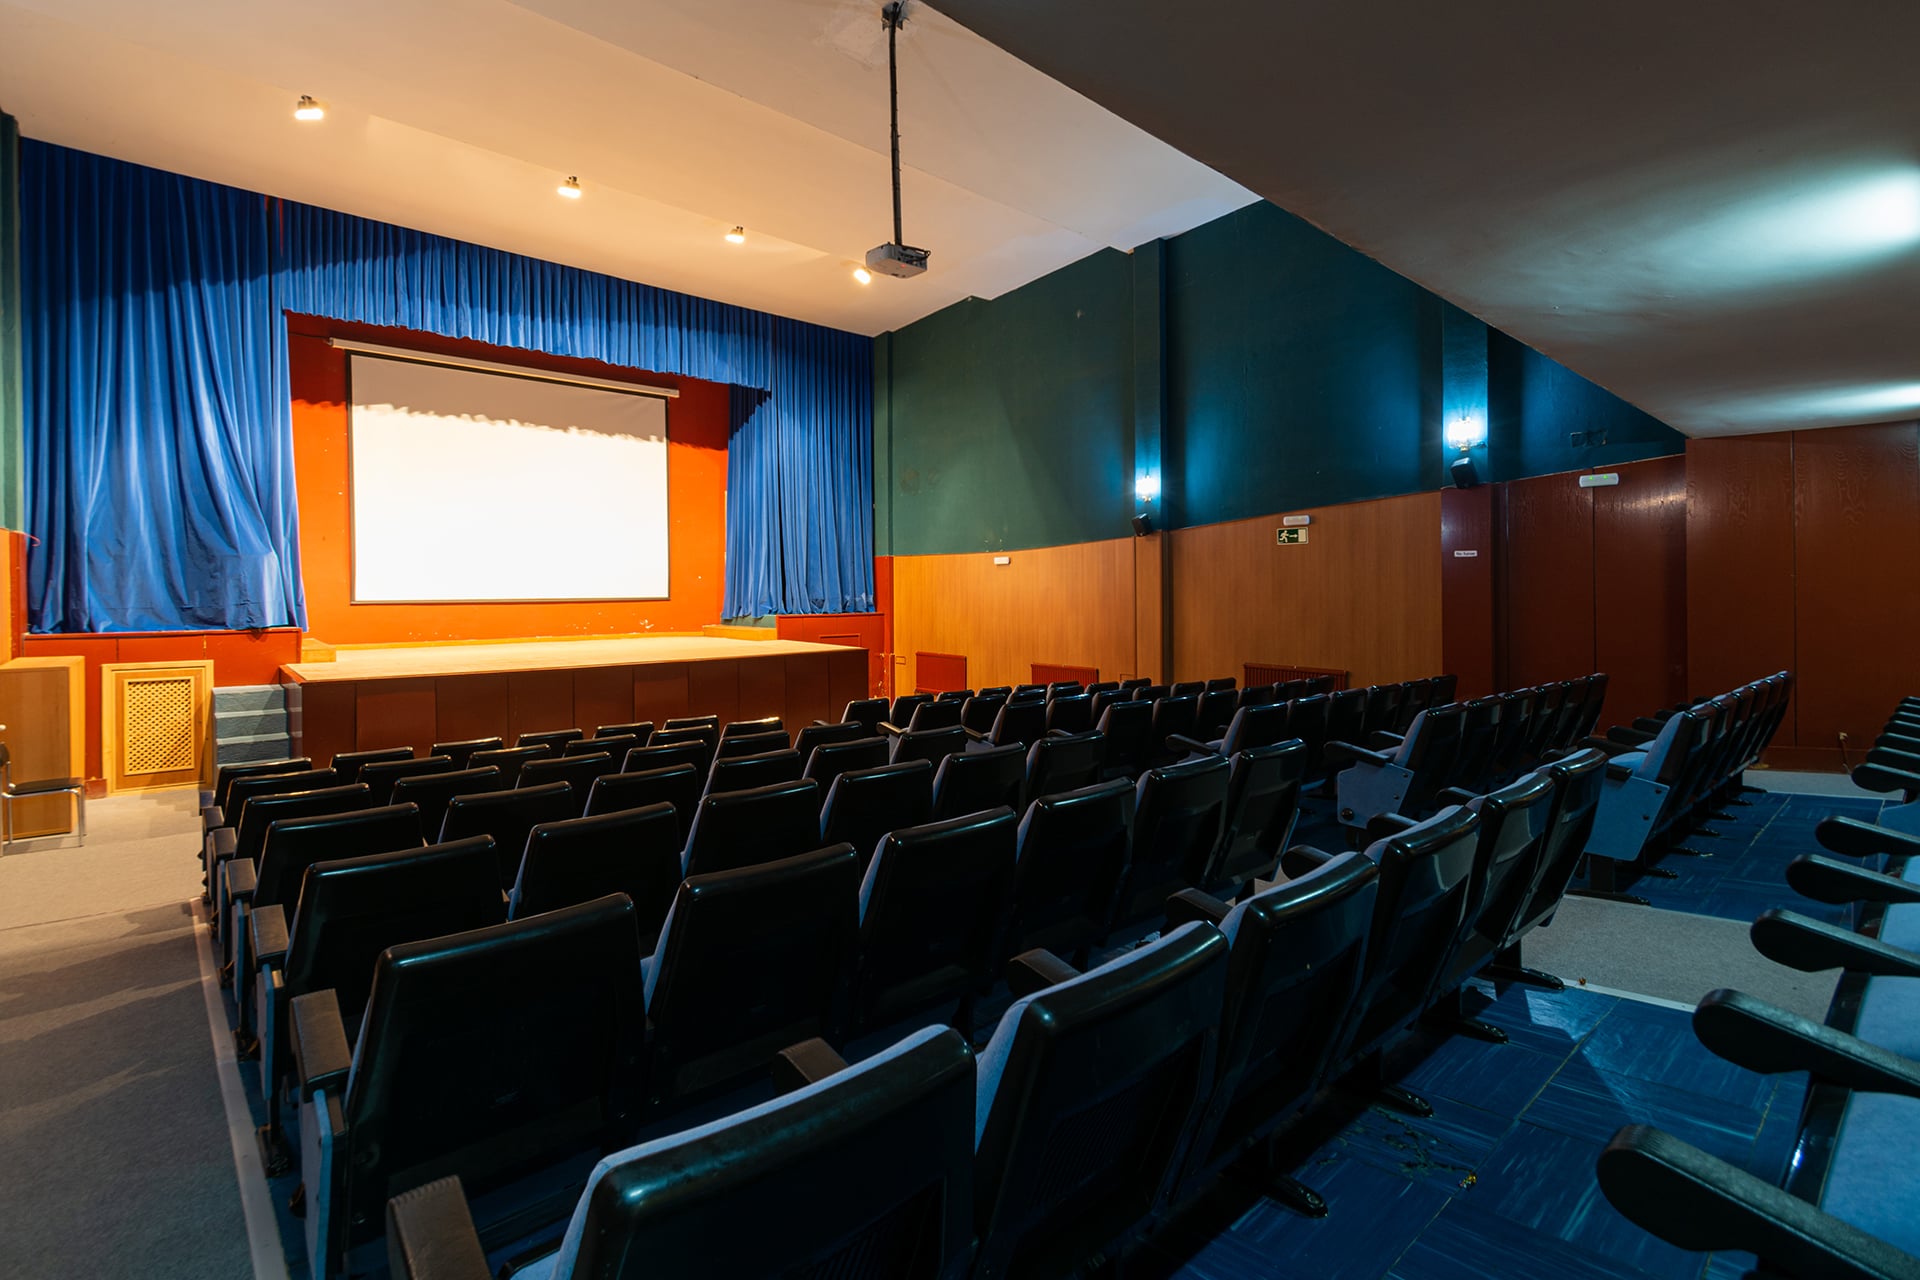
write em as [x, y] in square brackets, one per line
[681, 118]
[1712, 209]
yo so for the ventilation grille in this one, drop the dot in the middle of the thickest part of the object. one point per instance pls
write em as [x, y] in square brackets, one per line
[1278, 673]
[1055, 673]
[157, 726]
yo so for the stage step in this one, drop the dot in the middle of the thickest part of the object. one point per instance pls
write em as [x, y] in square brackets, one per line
[265, 746]
[250, 722]
[250, 697]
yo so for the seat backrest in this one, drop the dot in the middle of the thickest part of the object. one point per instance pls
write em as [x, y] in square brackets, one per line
[978, 713]
[865, 804]
[229, 773]
[931, 745]
[1063, 689]
[1170, 716]
[294, 844]
[1510, 740]
[831, 759]
[733, 829]
[653, 756]
[679, 785]
[615, 745]
[970, 781]
[1350, 714]
[1307, 721]
[430, 792]
[1258, 695]
[641, 729]
[900, 714]
[1566, 726]
[931, 910]
[1382, 709]
[1073, 853]
[1426, 871]
[1128, 727]
[1178, 813]
[1514, 824]
[1104, 686]
[1022, 722]
[555, 740]
[1418, 696]
[578, 772]
[1089, 1092]
[510, 760]
[1591, 706]
[1056, 764]
[1430, 750]
[1187, 689]
[750, 960]
[1263, 802]
[707, 737]
[1216, 712]
[1071, 713]
[994, 691]
[493, 1054]
[348, 763]
[742, 772]
[1222, 684]
[634, 851]
[262, 812]
[941, 713]
[678, 723]
[1549, 701]
[818, 735]
[874, 1163]
[1297, 955]
[380, 775]
[866, 711]
[507, 816]
[755, 728]
[351, 909]
[1136, 682]
[1257, 725]
[460, 752]
[953, 695]
[244, 788]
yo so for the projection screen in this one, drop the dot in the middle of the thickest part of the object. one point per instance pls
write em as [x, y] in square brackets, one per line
[472, 486]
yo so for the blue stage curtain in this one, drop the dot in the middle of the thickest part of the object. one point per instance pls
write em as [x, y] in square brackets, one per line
[800, 460]
[158, 421]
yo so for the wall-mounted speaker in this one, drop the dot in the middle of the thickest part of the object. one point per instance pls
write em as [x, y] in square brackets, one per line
[1464, 476]
[1142, 525]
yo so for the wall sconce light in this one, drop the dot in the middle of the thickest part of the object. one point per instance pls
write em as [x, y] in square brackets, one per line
[1466, 431]
[1146, 486]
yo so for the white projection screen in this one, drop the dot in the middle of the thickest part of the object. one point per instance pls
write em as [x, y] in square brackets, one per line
[475, 486]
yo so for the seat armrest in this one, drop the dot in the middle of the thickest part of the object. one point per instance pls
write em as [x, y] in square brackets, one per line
[1603, 745]
[226, 842]
[1898, 739]
[1788, 938]
[1825, 880]
[1857, 839]
[1388, 824]
[1456, 795]
[1895, 758]
[242, 879]
[1189, 905]
[1625, 737]
[973, 735]
[1649, 725]
[1873, 777]
[1700, 1202]
[1619, 772]
[890, 729]
[1301, 859]
[212, 817]
[1753, 1034]
[809, 1062]
[321, 1058]
[430, 1235]
[1181, 742]
[1337, 753]
[1385, 740]
[267, 943]
[1036, 970]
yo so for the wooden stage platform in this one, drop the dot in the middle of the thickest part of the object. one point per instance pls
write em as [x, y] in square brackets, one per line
[370, 698]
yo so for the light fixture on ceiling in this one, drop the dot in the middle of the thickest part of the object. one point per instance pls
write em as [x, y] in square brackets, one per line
[570, 188]
[863, 275]
[895, 258]
[309, 108]
[737, 236]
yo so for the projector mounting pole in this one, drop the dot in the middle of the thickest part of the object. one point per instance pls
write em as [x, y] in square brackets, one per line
[892, 15]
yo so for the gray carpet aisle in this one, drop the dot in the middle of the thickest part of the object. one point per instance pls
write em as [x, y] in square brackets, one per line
[115, 1159]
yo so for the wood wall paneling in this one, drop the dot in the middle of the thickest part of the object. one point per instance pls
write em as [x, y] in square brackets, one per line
[328, 724]
[467, 707]
[1152, 610]
[1857, 574]
[846, 679]
[713, 688]
[1740, 563]
[861, 630]
[538, 701]
[1468, 556]
[660, 691]
[1362, 594]
[808, 691]
[1068, 604]
[42, 702]
[763, 690]
[1547, 580]
[602, 695]
[394, 713]
[1640, 587]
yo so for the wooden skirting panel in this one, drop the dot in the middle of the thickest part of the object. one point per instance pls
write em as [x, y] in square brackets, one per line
[42, 704]
[1071, 604]
[1362, 594]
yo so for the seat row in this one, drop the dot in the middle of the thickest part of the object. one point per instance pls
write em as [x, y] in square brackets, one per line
[1101, 1101]
[1893, 765]
[1845, 1205]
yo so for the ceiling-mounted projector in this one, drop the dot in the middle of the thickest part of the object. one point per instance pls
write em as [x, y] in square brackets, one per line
[895, 258]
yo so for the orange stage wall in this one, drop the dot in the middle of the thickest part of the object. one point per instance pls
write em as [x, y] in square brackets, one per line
[696, 498]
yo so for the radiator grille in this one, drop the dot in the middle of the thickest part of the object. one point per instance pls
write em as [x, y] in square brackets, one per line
[1277, 673]
[1055, 672]
[157, 725]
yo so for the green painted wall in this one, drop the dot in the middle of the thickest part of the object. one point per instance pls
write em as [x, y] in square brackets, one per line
[12, 407]
[1255, 364]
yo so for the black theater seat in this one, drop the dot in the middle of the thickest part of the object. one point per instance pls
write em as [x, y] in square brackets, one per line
[578, 772]
[554, 740]
[490, 1055]
[220, 821]
[739, 773]
[1351, 714]
[1263, 802]
[1070, 714]
[818, 735]
[1128, 727]
[873, 1161]
[867, 712]
[1073, 854]
[507, 816]
[941, 713]
[931, 745]
[932, 907]
[1403, 778]
[1021, 722]
[461, 752]
[831, 759]
[1579, 776]
[900, 714]
[1089, 1094]
[666, 755]
[756, 728]
[751, 960]
[679, 723]
[432, 792]
[1215, 713]
[510, 760]
[380, 775]
[1515, 823]
[750, 744]
[216, 798]
[706, 737]
[635, 852]
[1065, 762]
[638, 729]
[977, 714]
[348, 763]
[865, 804]
[615, 745]
[235, 875]
[679, 786]
[970, 781]
[734, 829]
[1178, 813]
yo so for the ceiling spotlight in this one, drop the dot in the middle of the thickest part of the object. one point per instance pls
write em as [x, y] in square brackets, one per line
[570, 188]
[737, 236]
[863, 275]
[309, 108]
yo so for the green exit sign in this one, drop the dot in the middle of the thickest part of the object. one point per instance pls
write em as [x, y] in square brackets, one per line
[1290, 537]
